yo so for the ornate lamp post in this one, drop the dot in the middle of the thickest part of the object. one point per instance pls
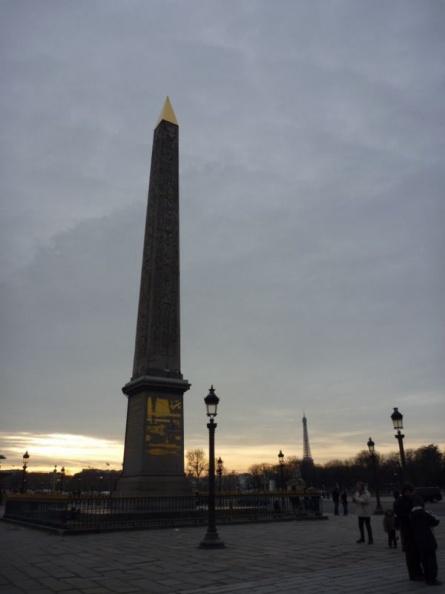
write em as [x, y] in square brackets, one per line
[371, 447]
[54, 478]
[62, 478]
[25, 466]
[397, 421]
[211, 539]
[281, 458]
[219, 471]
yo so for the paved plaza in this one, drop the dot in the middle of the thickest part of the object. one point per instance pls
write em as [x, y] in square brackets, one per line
[307, 557]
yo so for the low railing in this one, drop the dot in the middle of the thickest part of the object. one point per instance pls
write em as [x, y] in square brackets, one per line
[74, 514]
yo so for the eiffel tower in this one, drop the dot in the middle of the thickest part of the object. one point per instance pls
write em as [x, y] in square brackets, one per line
[306, 447]
[307, 463]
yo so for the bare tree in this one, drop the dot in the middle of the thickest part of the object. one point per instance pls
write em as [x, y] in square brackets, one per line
[197, 463]
[261, 473]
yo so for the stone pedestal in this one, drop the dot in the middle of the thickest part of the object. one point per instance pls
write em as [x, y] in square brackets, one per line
[154, 439]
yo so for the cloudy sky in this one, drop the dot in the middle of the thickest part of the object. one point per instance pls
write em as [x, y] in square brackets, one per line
[312, 220]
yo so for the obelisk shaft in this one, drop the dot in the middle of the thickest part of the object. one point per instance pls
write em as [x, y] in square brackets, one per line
[158, 347]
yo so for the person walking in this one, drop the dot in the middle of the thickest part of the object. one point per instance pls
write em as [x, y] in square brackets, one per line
[389, 526]
[422, 522]
[402, 509]
[362, 500]
[344, 502]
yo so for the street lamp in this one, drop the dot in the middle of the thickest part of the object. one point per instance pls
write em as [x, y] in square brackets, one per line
[371, 447]
[211, 539]
[219, 471]
[25, 466]
[281, 458]
[54, 478]
[397, 421]
[62, 477]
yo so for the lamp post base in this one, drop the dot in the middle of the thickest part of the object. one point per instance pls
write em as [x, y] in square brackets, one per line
[211, 541]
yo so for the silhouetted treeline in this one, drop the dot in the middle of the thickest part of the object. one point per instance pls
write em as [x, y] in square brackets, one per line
[425, 466]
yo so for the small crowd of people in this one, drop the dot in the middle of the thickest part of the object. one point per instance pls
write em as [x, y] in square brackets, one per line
[338, 497]
[408, 516]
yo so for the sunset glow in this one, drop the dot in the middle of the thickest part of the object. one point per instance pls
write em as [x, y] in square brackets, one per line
[74, 452]
[77, 452]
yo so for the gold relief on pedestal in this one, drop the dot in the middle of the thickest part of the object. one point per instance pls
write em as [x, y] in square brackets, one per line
[163, 433]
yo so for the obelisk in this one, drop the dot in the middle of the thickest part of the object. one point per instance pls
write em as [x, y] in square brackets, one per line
[154, 436]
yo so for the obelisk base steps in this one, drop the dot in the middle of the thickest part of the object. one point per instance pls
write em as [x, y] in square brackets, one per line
[152, 486]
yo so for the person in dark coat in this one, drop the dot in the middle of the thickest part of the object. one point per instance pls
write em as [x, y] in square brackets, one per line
[344, 502]
[402, 509]
[422, 522]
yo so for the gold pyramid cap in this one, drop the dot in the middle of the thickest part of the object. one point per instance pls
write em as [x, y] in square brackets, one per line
[167, 113]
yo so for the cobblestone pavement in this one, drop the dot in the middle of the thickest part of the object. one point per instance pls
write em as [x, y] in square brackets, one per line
[306, 557]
